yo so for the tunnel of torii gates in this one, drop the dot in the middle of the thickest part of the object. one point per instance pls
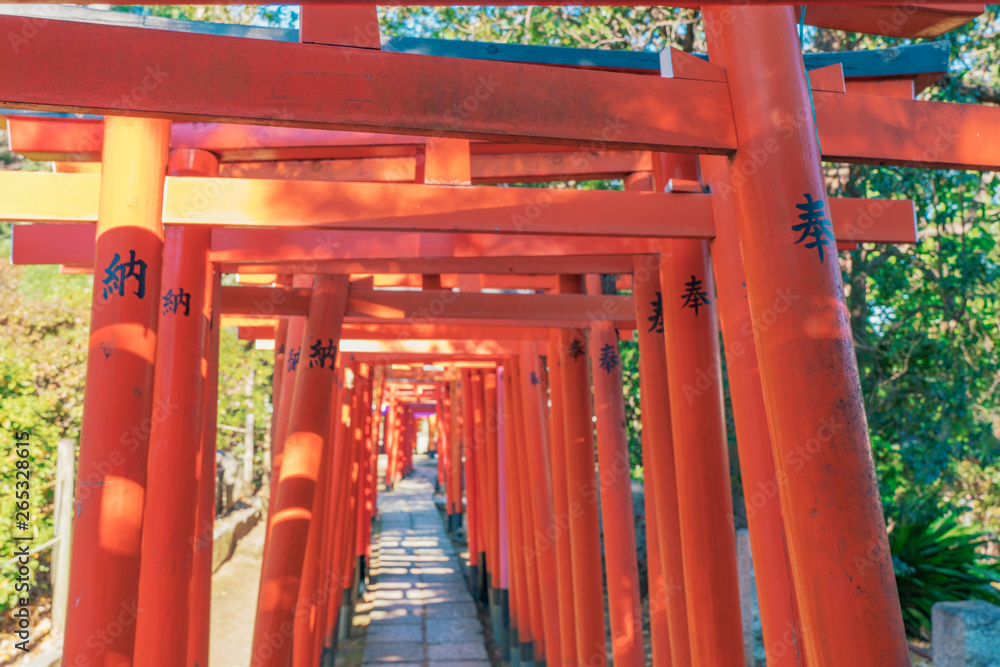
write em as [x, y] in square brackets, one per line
[369, 235]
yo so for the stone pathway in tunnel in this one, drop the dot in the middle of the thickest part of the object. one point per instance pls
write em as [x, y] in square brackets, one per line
[422, 612]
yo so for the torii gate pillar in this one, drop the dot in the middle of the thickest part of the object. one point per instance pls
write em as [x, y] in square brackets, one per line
[165, 594]
[118, 402]
[581, 485]
[307, 428]
[704, 500]
[615, 481]
[838, 549]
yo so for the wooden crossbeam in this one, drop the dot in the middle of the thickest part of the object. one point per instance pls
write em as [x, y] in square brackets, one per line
[920, 18]
[910, 133]
[275, 83]
[390, 332]
[197, 77]
[854, 221]
[625, 327]
[486, 169]
[911, 19]
[80, 139]
[513, 265]
[386, 206]
[74, 244]
[44, 197]
[430, 305]
[451, 280]
[428, 351]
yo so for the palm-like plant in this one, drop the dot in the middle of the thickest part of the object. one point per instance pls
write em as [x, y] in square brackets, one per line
[936, 561]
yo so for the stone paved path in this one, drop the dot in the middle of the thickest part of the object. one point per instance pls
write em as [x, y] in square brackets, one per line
[422, 612]
[234, 602]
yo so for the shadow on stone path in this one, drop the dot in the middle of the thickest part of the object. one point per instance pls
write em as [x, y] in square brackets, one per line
[421, 611]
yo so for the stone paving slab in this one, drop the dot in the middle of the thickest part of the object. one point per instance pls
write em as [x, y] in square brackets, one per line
[420, 610]
[466, 651]
[385, 632]
[382, 651]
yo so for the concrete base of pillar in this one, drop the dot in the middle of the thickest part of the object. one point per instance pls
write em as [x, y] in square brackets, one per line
[503, 616]
[454, 523]
[527, 654]
[481, 592]
[474, 582]
[514, 647]
[346, 615]
[329, 657]
[362, 566]
[496, 619]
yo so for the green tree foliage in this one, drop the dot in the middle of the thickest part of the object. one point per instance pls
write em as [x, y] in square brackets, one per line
[43, 358]
[925, 317]
[940, 560]
[241, 366]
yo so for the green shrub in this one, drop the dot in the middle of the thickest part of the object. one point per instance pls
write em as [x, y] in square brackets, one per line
[937, 561]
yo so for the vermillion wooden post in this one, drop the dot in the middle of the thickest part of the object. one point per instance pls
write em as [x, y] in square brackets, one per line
[704, 496]
[398, 442]
[403, 446]
[307, 633]
[507, 606]
[650, 324]
[394, 442]
[452, 405]
[346, 570]
[560, 504]
[658, 458]
[402, 434]
[778, 620]
[432, 443]
[293, 352]
[528, 550]
[482, 492]
[330, 611]
[656, 584]
[278, 374]
[625, 609]
[201, 573]
[581, 485]
[842, 570]
[520, 606]
[283, 560]
[364, 462]
[378, 390]
[111, 482]
[324, 582]
[169, 528]
[442, 436]
[411, 440]
[536, 451]
[491, 493]
[389, 441]
[471, 480]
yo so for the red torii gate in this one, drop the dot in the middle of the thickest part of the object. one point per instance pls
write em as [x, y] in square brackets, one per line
[852, 626]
